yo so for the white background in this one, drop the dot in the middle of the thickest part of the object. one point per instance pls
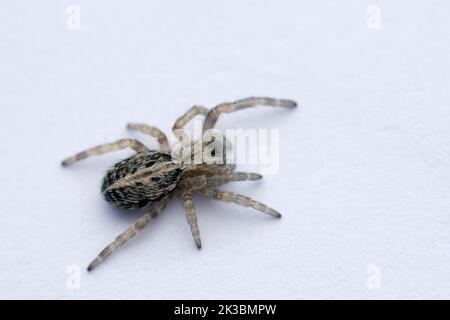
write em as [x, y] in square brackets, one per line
[364, 183]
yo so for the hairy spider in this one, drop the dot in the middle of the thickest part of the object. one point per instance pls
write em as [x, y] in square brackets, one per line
[150, 178]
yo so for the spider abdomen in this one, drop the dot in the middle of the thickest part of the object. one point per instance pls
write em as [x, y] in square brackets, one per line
[141, 179]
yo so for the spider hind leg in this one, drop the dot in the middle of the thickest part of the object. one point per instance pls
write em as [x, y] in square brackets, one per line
[140, 224]
[102, 149]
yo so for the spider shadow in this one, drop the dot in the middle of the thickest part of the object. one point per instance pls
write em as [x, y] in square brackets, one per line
[121, 216]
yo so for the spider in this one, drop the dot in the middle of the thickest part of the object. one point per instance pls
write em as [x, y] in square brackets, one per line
[150, 178]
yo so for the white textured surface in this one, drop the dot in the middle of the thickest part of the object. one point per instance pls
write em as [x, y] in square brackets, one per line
[365, 176]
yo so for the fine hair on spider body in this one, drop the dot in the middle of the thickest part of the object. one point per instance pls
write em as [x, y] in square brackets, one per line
[150, 178]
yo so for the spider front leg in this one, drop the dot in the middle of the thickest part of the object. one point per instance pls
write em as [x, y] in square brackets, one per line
[184, 119]
[188, 116]
[154, 132]
[109, 147]
[238, 199]
[147, 218]
[215, 112]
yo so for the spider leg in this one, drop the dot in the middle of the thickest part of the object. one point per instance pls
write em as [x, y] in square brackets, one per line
[215, 112]
[152, 131]
[188, 116]
[235, 176]
[191, 216]
[183, 120]
[147, 218]
[238, 199]
[202, 181]
[118, 145]
[199, 182]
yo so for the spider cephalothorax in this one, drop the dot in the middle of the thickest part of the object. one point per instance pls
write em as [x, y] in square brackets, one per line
[150, 178]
